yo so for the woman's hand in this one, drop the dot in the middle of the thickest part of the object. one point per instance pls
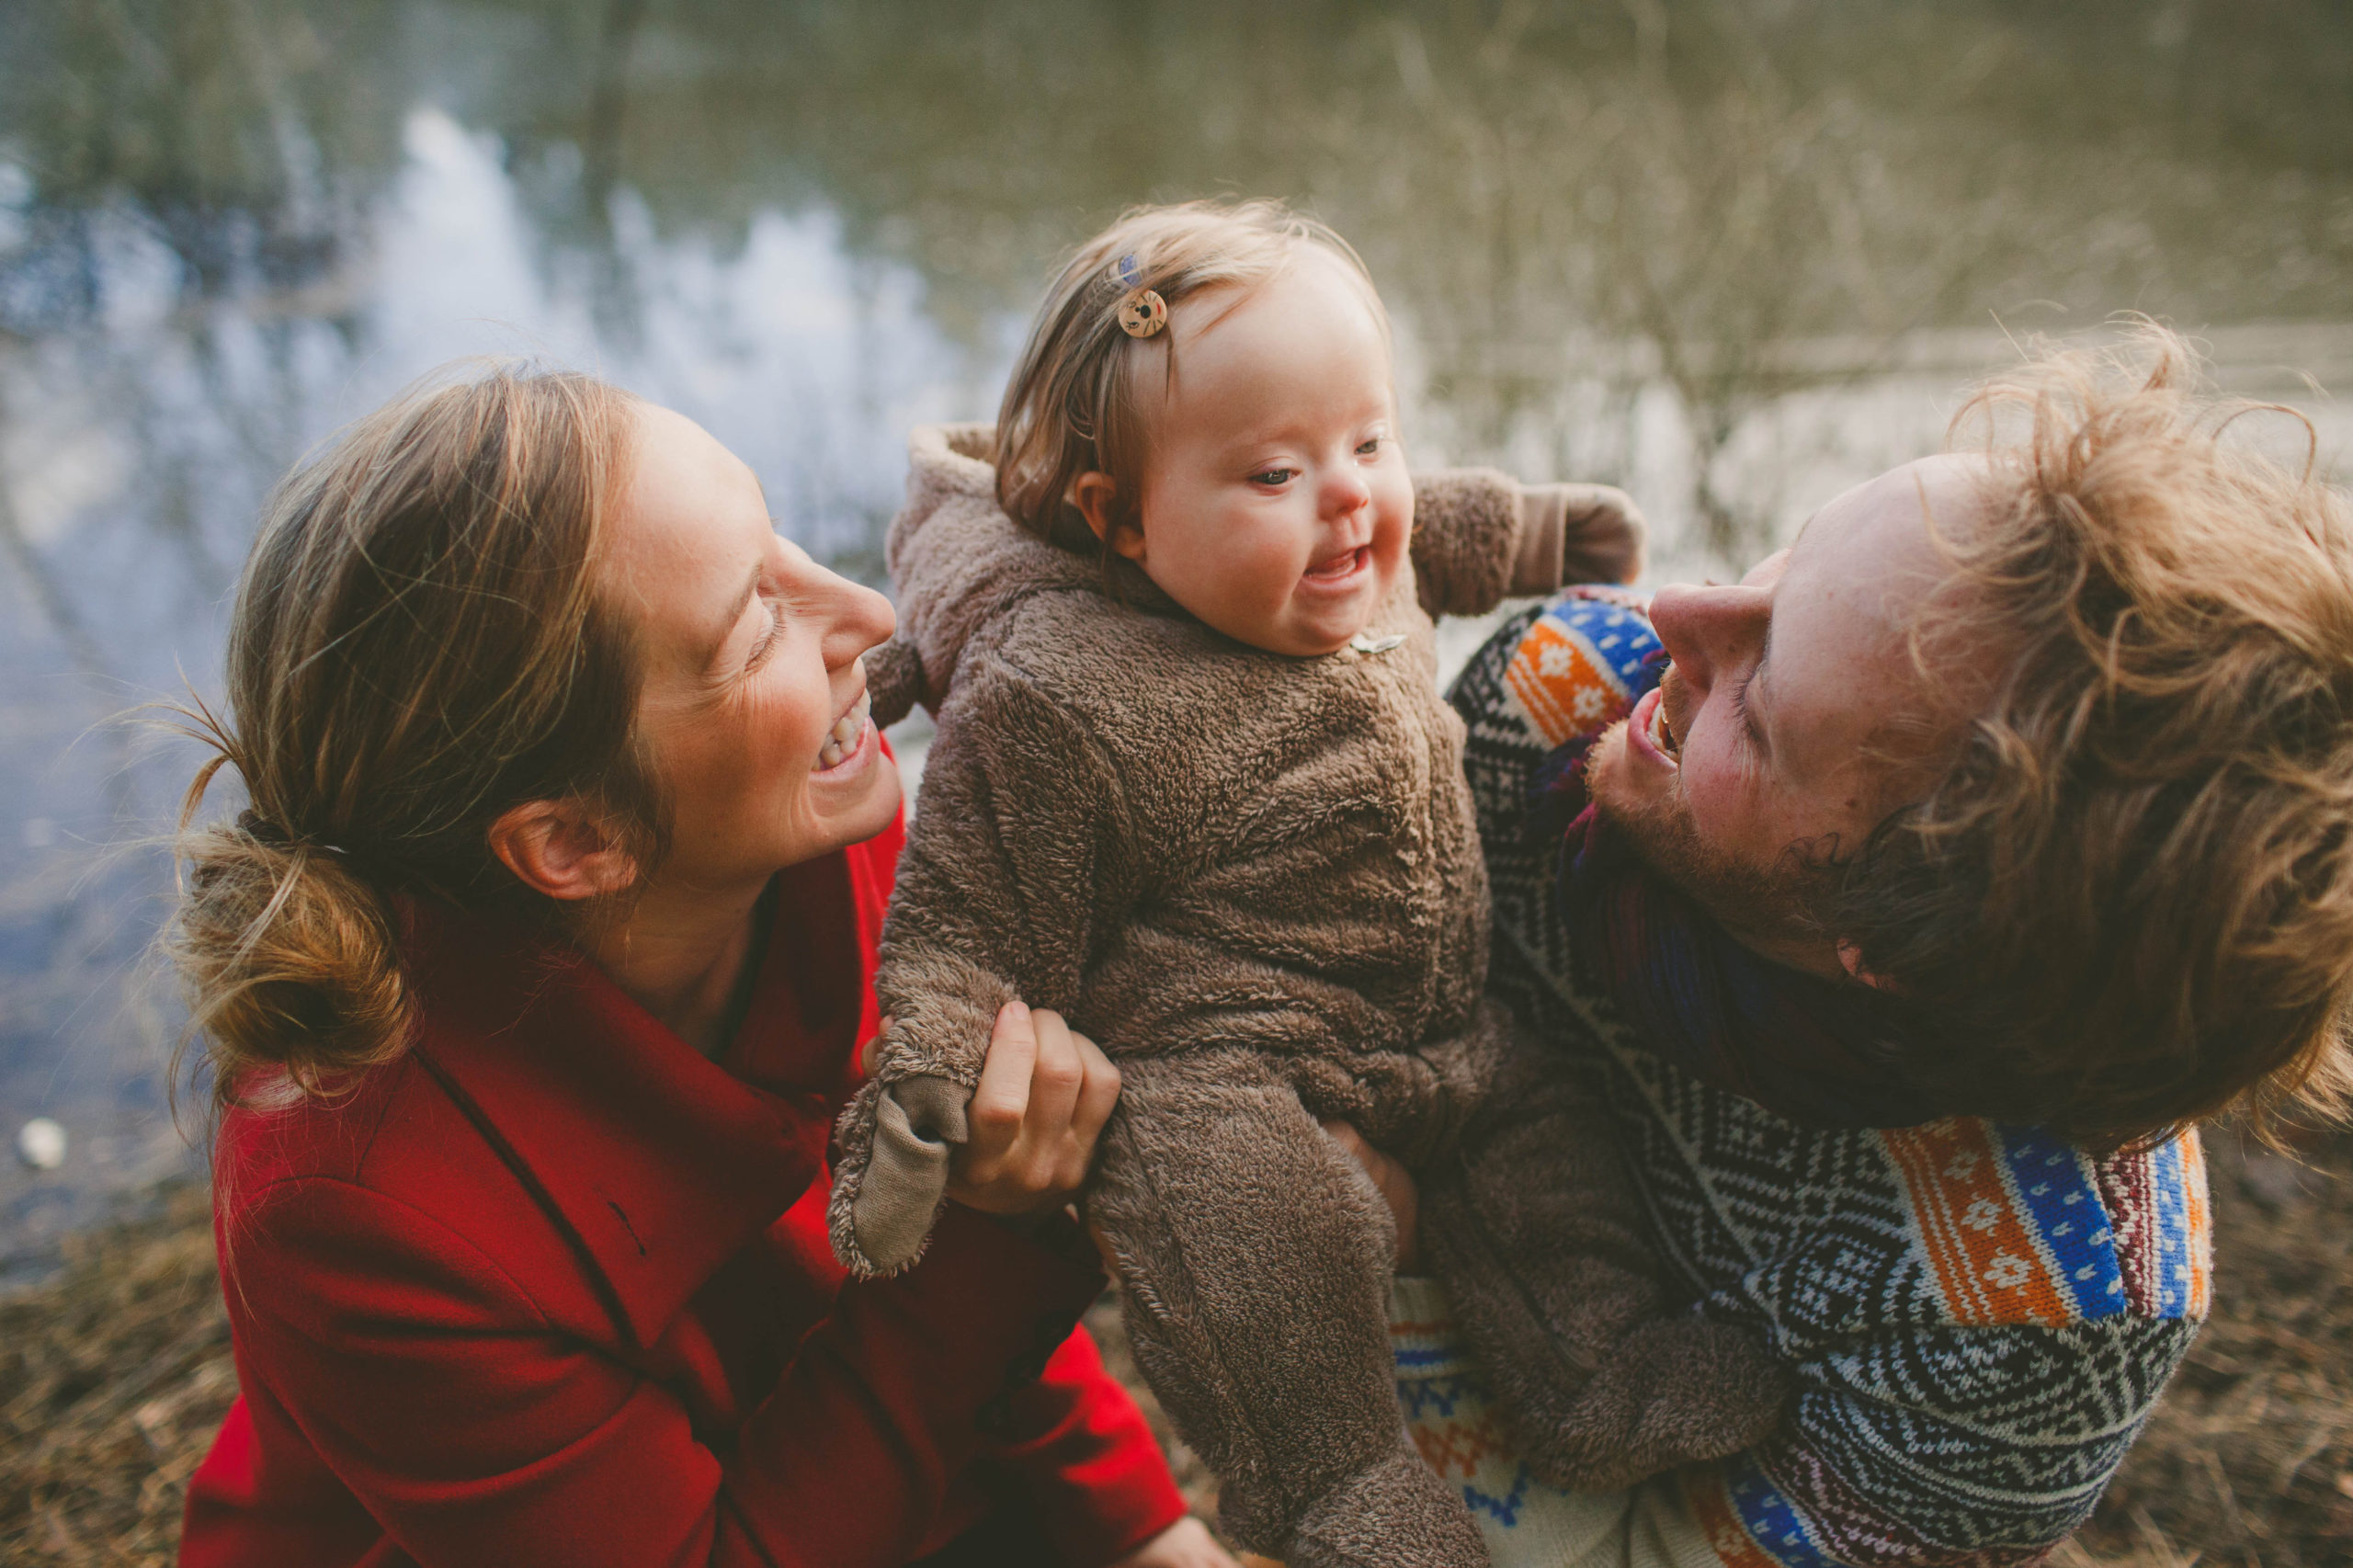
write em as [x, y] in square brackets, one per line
[1044, 1093]
[1397, 1191]
[1185, 1544]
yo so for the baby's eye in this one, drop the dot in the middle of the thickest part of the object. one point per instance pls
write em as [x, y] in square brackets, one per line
[1272, 475]
[1370, 445]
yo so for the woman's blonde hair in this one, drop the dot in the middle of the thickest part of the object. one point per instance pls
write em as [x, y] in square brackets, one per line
[2127, 903]
[418, 645]
[1072, 406]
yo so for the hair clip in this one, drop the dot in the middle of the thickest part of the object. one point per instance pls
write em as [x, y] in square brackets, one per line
[1143, 312]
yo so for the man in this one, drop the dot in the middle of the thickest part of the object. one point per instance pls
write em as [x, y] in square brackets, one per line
[1962, 858]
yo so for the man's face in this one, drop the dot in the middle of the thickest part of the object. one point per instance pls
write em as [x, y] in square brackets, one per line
[1793, 715]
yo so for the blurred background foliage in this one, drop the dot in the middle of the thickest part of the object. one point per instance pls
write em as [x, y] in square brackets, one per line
[1733, 256]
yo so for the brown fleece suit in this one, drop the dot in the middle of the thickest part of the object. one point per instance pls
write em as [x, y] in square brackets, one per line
[1256, 881]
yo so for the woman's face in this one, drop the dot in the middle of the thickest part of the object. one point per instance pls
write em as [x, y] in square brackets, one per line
[754, 708]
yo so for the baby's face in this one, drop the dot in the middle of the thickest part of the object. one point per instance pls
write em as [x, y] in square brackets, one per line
[1275, 504]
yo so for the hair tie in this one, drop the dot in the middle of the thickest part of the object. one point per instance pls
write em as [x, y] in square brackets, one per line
[1143, 312]
[261, 830]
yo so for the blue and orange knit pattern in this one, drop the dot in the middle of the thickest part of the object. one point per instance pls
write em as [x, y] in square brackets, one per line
[1457, 1427]
[1980, 1316]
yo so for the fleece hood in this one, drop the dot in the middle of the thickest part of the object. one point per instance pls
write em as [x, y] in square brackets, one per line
[957, 562]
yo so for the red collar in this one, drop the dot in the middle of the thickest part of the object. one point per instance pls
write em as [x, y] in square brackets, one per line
[659, 1164]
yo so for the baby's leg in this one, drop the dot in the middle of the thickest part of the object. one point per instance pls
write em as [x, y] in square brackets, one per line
[1538, 1235]
[1254, 1264]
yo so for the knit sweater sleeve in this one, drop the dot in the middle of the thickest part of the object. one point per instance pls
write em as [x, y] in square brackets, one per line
[1932, 1446]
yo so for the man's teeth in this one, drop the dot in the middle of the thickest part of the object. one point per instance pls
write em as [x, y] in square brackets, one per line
[1663, 737]
[842, 739]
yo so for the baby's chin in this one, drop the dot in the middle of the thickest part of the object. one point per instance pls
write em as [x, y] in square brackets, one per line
[1310, 637]
[1294, 642]
[1281, 630]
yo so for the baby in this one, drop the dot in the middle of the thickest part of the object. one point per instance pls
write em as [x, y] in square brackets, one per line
[1195, 788]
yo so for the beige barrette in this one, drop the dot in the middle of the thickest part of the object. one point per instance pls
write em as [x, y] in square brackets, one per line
[1143, 312]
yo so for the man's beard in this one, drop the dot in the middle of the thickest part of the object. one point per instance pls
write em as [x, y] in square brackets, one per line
[1772, 902]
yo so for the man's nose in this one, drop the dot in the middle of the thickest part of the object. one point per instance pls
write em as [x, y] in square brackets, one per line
[1710, 629]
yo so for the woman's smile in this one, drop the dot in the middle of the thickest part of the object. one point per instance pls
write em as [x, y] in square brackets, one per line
[847, 743]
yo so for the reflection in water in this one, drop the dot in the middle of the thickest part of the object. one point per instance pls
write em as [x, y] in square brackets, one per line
[1732, 257]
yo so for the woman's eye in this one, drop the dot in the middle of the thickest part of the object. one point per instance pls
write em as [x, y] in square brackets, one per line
[766, 644]
[1271, 475]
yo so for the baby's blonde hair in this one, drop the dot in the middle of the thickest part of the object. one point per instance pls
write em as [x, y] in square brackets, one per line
[1071, 407]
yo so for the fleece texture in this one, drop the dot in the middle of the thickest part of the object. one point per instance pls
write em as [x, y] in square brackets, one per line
[1257, 881]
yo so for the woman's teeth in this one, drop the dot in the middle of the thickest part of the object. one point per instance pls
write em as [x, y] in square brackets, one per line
[842, 739]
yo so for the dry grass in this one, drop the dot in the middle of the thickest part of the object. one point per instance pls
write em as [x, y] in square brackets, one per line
[112, 1379]
[114, 1376]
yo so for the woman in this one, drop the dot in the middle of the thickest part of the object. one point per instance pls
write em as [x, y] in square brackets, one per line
[532, 980]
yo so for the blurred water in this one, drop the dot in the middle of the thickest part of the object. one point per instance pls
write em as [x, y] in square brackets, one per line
[1733, 256]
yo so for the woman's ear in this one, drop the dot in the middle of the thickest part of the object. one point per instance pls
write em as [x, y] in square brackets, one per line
[562, 849]
[1097, 494]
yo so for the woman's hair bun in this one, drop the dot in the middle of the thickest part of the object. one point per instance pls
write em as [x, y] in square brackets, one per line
[289, 960]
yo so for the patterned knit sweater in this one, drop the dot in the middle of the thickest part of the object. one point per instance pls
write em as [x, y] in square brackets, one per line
[1980, 1316]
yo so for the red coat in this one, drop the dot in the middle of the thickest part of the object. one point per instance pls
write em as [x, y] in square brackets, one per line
[554, 1289]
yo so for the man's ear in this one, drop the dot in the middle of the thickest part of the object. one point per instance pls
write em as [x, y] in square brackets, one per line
[1850, 958]
[562, 848]
[1097, 494]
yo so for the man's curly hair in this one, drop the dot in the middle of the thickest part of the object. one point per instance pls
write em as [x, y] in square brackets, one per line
[2127, 903]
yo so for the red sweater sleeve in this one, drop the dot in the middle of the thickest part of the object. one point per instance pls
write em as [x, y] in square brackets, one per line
[479, 1433]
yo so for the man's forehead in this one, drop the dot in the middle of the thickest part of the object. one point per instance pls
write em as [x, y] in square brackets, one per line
[1858, 593]
[1947, 489]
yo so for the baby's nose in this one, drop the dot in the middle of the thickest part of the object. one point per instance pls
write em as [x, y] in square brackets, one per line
[1346, 491]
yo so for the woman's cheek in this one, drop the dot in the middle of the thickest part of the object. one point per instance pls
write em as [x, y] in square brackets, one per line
[792, 722]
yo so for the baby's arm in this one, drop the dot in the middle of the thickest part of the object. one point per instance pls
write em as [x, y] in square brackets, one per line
[1480, 538]
[1020, 851]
